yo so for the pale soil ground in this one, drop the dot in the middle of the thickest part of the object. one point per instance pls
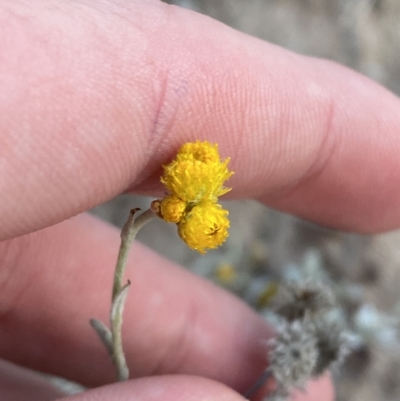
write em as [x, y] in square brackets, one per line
[266, 246]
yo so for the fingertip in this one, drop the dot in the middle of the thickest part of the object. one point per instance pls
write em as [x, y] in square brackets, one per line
[162, 388]
[19, 384]
[190, 388]
[316, 390]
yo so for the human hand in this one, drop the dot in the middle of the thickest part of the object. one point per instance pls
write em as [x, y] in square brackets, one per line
[95, 96]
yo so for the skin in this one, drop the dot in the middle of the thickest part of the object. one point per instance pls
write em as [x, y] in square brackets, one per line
[95, 97]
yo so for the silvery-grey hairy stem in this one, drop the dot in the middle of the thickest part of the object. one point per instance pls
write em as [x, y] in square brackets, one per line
[128, 234]
[112, 339]
[118, 355]
[258, 384]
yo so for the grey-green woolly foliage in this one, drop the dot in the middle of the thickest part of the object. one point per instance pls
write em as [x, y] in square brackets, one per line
[308, 342]
[297, 300]
[294, 354]
[332, 344]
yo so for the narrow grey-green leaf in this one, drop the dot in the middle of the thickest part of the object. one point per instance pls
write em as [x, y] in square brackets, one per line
[104, 333]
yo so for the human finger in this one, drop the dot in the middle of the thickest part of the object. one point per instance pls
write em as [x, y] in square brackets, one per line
[316, 390]
[97, 95]
[169, 387]
[19, 384]
[176, 388]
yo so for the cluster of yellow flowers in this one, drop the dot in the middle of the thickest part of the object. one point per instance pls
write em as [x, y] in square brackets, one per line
[194, 180]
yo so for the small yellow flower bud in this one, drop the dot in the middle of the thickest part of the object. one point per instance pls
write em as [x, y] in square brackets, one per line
[172, 208]
[204, 227]
[156, 207]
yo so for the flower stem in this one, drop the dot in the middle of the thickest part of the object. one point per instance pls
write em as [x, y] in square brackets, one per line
[128, 234]
[258, 384]
[112, 339]
[118, 355]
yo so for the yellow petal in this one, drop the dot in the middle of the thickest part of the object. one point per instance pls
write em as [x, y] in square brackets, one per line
[194, 181]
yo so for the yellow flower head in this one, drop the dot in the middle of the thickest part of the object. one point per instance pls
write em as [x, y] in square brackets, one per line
[195, 180]
[197, 174]
[204, 227]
